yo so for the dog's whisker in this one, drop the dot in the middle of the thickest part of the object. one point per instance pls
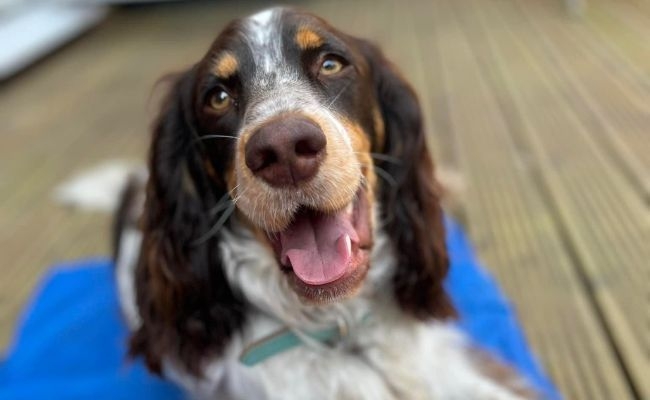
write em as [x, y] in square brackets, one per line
[343, 89]
[239, 196]
[380, 157]
[223, 203]
[220, 207]
[363, 182]
[386, 176]
[200, 139]
[384, 157]
[217, 226]
[232, 191]
[226, 204]
[217, 137]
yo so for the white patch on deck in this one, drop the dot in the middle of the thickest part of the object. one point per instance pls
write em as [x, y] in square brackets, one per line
[95, 189]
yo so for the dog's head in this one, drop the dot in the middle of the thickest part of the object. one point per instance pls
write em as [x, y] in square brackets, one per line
[303, 133]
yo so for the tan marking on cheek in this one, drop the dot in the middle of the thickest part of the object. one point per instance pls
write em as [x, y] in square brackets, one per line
[308, 39]
[231, 181]
[371, 178]
[361, 145]
[360, 140]
[339, 164]
[380, 128]
[240, 161]
[226, 66]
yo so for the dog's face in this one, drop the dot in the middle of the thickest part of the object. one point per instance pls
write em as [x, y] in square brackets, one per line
[288, 116]
[288, 122]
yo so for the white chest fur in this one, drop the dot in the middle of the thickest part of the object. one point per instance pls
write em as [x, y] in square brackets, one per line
[388, 356]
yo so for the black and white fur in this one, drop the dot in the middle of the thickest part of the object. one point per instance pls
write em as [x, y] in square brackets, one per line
[392, 354]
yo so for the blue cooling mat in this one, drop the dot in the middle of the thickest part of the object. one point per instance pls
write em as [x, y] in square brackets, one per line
[70, 342]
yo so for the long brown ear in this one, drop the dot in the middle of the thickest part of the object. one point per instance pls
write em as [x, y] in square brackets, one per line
[411, 211]
[187, 308]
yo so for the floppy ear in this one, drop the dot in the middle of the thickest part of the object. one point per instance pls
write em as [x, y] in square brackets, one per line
[411, 210]
[186, 305]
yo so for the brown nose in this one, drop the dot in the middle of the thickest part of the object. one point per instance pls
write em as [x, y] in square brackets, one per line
[286, 151]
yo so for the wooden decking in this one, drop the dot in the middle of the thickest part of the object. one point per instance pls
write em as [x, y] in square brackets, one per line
[546, 116]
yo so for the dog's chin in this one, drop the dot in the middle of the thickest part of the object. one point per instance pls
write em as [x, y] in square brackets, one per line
[325, 255]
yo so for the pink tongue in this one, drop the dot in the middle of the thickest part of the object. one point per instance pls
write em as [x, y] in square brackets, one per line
[319, 247]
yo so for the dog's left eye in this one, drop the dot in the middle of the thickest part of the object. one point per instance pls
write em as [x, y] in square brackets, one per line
[330, 66]
[220, 100]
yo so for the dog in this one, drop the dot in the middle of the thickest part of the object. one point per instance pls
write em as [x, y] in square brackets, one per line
[287, 241]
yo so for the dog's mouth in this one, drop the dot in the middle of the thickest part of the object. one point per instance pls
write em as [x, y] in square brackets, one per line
[326, 254]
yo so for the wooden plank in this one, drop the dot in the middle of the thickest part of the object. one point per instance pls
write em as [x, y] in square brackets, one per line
[617, 109]
[78, 236]
[91, 106]
[576, 8]
[624, 27]
[457, 61]
[606, 225]
[604, 48]
[514, 229]
[122, 91]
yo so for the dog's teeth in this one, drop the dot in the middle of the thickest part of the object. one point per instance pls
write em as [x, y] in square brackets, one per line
[348, 243]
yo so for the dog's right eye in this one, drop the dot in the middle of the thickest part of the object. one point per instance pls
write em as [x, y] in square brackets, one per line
[330, 66]
[220, 101]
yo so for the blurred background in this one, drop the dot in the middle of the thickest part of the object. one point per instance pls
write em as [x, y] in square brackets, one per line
[538, 113]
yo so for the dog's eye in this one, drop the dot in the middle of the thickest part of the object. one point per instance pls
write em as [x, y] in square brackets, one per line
[220, 100]
[330, 66]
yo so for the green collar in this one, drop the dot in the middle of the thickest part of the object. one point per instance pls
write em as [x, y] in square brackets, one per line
[284, 339]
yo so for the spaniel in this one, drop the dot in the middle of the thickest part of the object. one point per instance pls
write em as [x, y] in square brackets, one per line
[288, 241]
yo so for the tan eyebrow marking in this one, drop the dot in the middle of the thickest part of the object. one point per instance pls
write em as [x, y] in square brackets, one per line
[226, 66]
[308, 39]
